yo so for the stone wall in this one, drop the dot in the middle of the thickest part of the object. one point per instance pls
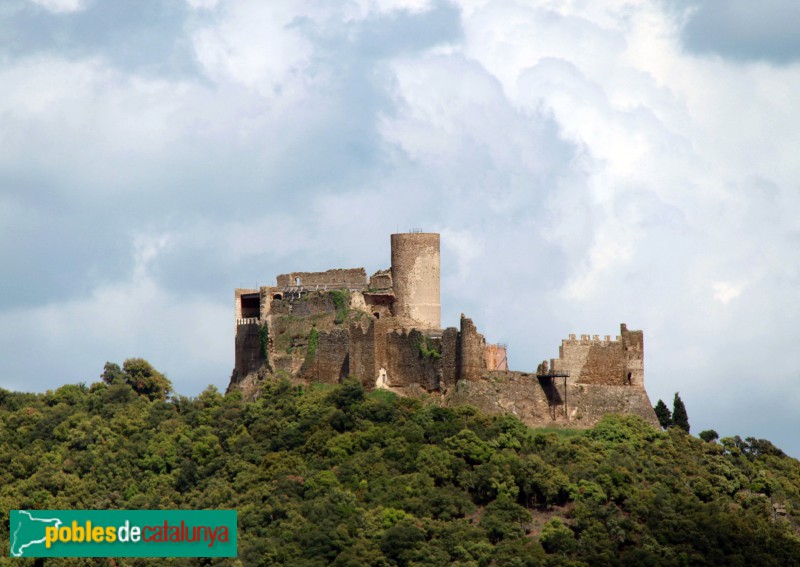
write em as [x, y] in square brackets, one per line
[309, 303]
[541, 403]
[330, 363]
[495, 357]
[470, 360]
[362, 353]
[355, 278]
[248, 354]
[405, 364]
[633, 351]
[381, 280]
[449, 358]
[592, 360]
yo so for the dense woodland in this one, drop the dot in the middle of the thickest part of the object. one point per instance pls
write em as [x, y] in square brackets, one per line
[336, 475]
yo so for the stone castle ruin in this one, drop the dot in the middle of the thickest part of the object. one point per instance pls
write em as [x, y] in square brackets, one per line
[386, 331]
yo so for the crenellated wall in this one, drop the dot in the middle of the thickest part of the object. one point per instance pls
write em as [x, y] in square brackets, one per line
[592, 360]
[348, 278]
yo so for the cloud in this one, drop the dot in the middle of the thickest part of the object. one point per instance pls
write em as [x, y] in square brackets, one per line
[744, 31]
[62, 6]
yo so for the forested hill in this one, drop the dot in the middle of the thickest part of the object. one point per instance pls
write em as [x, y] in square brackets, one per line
[335, 475]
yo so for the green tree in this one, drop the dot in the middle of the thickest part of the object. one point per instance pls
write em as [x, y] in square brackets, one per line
[663, 414]
[146, 380]
[112, 374]
[679, 416]
[709, 435]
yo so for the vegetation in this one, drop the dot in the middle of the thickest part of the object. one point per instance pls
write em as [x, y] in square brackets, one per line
[426, 350]
[663, 414]
[336, 475]
[140, 376]
[680, 418]
[313, 343]
[341, 301]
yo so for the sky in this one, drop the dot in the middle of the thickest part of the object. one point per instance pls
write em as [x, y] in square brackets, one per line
[586, 163]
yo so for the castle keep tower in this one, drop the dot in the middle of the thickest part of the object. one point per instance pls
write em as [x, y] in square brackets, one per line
[415, 277]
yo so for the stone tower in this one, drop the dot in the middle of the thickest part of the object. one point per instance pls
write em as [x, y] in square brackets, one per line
[415, 277]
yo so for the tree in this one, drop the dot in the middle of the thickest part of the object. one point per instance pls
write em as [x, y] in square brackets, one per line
[663, 414]
[146, 380]
[679, 415]
[112, 374]
[709, 435]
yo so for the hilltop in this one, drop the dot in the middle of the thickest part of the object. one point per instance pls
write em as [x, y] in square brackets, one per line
[333, 474]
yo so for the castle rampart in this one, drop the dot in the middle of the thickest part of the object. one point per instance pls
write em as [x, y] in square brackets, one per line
[591, 360]
[351, 278]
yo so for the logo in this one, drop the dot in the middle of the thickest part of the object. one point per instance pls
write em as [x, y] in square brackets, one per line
[123, 533]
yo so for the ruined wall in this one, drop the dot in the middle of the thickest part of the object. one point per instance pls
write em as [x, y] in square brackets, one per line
[248, 356]
[415, 278]
[495, 357]
[330, 363]
[470, 360]
[633, 351]
[382, 280]
[449, 358]
[355, 278]
[592, 360]
[379, 304]
[542, 403]
[312, 303]
[406, 365]
[362, 352]
[266, 293]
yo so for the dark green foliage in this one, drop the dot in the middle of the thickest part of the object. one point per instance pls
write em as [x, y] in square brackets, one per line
[663, 414]
[112, 374]
[338, 475]
[709, 435]
[680, 419]
[139, 375]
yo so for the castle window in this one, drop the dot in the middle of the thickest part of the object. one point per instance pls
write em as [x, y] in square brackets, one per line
[297, 280]
[630, 374]
[251, 305]
[277, 296]
[377, 315]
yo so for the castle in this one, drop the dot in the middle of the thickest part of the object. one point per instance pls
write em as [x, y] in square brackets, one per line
[386, 331]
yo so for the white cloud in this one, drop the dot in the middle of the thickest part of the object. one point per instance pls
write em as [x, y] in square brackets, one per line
[62, 6]
[725, 292]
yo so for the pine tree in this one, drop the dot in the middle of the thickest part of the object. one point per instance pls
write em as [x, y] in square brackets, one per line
[663, 414]
[679, 415]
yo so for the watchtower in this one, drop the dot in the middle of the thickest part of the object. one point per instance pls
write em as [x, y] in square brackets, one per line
[415, 278]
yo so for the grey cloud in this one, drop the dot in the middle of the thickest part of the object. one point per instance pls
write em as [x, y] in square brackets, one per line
[745, 31]
[146, 36]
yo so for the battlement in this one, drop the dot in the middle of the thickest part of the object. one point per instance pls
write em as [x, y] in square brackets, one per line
[592, 360]
[346, 278]
[591, 339]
